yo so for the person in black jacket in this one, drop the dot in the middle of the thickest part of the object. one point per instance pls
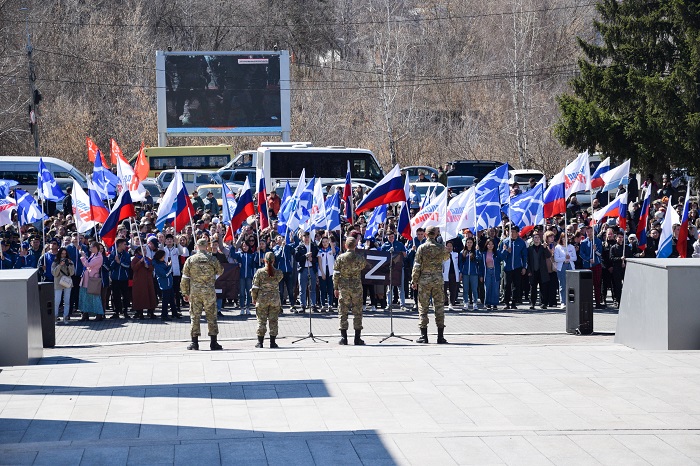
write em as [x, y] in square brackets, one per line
[537, 255]
[306, 256]
[619, 252]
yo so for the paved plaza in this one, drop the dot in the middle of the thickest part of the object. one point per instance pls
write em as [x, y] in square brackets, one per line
[511, 388]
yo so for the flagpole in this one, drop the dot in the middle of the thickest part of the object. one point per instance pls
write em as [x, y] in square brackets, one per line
[43, 229]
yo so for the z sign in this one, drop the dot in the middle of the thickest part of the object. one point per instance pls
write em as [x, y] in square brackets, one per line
[377, 270]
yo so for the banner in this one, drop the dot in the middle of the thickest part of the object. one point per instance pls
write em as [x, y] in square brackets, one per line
[377, 270]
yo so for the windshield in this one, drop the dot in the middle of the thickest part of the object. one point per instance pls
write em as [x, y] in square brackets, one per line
[422, 188]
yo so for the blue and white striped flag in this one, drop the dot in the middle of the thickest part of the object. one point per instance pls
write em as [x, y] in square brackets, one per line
[47, 186]
[28, 210]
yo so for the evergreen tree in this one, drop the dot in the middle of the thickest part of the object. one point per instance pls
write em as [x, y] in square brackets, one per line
[638, 92]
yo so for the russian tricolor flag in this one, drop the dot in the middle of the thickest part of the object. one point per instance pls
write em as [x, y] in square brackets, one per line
[387, 191]
[98, 211]
[617, 208]
[682, 243]
[554, 197]
[643, 219]
[244, 208]
[123, 208]
[597, 180]
[404, 225]
[175, 205]
[262, 200]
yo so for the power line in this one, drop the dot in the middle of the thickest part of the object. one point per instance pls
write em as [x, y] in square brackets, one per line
[275, 25]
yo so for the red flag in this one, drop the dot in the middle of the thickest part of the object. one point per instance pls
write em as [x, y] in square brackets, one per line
[262, 200]
[229, 235]
[92, 152]
[115, 151]
[141, 167]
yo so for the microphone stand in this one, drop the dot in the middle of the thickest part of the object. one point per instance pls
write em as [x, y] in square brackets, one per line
[390, 303]
[308, 299]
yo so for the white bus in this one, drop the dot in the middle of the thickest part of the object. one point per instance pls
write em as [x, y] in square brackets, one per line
[285, 160]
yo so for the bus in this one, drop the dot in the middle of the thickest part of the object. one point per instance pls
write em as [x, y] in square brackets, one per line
[285, 160]
[209, 158]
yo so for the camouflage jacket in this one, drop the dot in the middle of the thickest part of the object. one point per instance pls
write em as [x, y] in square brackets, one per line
[348, 270]
[428, 263]
[199, 274]
[266, 288]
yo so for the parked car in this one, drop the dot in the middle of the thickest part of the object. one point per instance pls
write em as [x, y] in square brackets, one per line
[476, 168]
[238, 176]
[413, 171]
[522, 177]
[459, 183]
[192, 178]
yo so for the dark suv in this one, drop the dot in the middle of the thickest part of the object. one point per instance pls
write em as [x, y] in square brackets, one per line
[476, 168]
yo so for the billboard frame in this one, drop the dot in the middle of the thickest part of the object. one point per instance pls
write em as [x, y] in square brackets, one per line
[285, 98]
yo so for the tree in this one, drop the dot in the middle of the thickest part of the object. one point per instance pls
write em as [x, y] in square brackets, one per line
[638, 94]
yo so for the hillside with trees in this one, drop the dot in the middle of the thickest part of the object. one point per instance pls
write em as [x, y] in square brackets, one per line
[416, 81]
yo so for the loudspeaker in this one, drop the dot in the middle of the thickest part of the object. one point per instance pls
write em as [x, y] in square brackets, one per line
[48, 320]
[579, 302]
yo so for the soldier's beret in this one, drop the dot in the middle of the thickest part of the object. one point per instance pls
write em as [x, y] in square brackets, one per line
[202, 242]
[431, 231]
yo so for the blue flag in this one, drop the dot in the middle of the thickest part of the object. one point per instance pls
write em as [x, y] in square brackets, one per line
[104, 180]
[5, 186]
[333, 212]
[495, 179]
[28, 210]
[527, 209]
[47, 186]
[378, 217]
[488, 210]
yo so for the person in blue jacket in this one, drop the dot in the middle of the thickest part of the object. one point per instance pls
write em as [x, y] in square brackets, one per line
[490, 273]
[26, 260]
[7, 257]
[164, 277]
[513, 253]
[469, 268]
[591, 253]
[247, 262]
[284, 261]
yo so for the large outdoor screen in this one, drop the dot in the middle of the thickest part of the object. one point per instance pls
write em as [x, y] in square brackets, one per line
[205, 93]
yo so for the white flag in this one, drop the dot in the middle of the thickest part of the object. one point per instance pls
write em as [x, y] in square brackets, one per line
[578, 175]
[455, 209]
[81, 209]
[127, 180]
[434, 214]
[468, 217]
[7, 206]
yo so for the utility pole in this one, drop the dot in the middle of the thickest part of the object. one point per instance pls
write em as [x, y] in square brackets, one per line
[34, 94]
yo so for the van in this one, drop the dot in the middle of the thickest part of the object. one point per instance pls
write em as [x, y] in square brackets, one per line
[476, 168]
[192, 178]
[25, 171]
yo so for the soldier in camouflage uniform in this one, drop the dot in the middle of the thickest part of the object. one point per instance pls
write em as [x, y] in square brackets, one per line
[266, 297]
[348, 289]
[427, 277]
[198, 276]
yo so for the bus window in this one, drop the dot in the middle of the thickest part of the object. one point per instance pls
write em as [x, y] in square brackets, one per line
[167, 177]
[217, 161]
[162, 163]
[203, 179]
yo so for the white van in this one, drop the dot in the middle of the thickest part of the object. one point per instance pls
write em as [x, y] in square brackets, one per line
[25, 170]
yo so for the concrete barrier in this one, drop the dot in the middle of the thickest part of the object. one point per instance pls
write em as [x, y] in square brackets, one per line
[659, 309]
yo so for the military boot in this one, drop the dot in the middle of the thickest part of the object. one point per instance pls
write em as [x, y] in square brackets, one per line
[259, 344]
[423, 336]
[195, 344]
[343, 337]
[213, 345]
[440, 339]
[358, 340]
[272, 342]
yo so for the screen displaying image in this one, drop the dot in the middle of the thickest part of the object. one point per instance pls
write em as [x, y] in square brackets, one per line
[222, 91]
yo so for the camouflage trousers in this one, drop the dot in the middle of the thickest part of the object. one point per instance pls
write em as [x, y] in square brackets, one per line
[431, 289]
[350, 300]
[266, 312]
[203, 303]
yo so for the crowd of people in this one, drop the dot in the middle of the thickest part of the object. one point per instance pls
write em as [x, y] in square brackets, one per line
[142, 272]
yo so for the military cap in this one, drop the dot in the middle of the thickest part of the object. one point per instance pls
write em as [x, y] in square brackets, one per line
[431, 231]
[202, 242]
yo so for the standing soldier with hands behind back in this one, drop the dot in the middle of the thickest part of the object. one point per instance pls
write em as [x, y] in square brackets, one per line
[266, 297]
[427, 278]
[347, 280]
[198, 276]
